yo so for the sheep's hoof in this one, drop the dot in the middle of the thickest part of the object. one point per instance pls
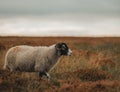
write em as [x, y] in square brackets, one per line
[48, 79]
[40, 78]
[43, 79]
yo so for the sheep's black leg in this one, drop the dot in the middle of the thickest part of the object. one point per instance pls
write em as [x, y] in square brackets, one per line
[44, 74]
[48, 76]
[41, 74]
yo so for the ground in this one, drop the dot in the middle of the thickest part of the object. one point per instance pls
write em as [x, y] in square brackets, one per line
[93, 66]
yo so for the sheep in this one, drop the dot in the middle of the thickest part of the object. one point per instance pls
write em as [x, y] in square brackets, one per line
[35, 58]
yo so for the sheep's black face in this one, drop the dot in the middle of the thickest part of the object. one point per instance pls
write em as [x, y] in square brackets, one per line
[63, 49]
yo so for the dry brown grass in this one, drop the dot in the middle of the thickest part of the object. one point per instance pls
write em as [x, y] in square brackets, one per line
[93, 67]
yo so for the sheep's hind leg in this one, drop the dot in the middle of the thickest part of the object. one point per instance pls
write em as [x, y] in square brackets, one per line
[45, 74]
[48, 76]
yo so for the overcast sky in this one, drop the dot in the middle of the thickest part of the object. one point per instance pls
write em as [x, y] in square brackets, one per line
[59, 6]
[83, 17]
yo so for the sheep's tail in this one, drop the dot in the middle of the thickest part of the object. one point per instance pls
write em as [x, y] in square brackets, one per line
[4, 67]
[5, 64]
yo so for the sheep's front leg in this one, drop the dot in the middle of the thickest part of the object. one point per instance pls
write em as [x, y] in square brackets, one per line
[44, 74]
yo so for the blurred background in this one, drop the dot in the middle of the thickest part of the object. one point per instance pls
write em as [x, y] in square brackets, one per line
[91, 18]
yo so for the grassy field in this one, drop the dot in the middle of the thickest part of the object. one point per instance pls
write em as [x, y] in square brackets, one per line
[93, 67]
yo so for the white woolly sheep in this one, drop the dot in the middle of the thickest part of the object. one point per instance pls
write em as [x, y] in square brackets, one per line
[35, 59]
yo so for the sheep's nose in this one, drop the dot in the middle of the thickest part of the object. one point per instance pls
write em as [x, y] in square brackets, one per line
[69, 52]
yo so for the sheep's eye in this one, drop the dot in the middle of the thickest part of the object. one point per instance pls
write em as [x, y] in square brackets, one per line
[63, 48]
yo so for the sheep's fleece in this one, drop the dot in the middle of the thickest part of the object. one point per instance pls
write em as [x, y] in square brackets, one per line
[35, 59]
